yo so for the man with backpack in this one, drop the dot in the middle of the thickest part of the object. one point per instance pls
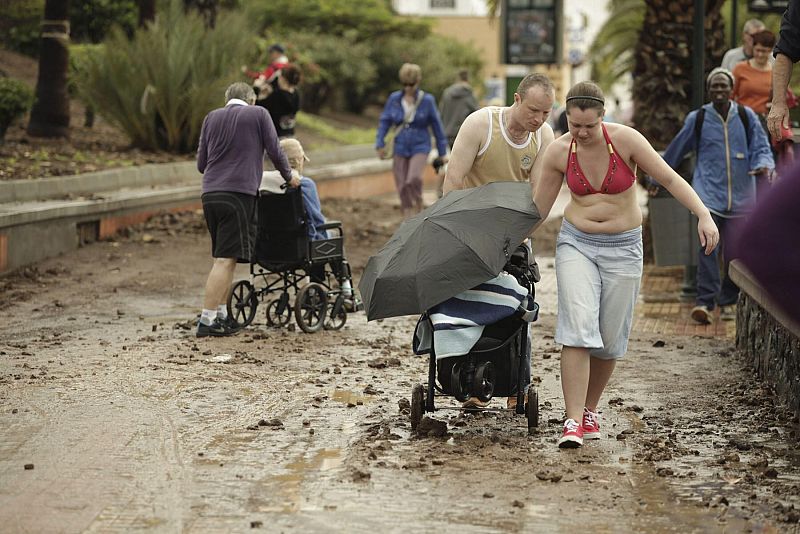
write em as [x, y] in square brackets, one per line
[730, 148]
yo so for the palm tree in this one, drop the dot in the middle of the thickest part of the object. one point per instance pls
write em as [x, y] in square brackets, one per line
[612, 49]
[50, 113]
[662, 85]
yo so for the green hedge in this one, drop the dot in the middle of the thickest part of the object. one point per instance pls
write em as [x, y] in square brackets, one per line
[16, 99]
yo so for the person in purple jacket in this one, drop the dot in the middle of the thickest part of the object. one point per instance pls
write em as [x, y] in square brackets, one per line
[230, 155]
[765, 240]
[411, 112]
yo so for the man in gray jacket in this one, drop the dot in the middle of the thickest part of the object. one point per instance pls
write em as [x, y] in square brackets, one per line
[457, 102]
[230, 155]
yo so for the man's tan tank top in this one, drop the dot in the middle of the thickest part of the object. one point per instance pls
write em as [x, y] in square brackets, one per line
[501, 159]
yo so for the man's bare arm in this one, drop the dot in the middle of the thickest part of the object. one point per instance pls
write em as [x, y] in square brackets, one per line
[471, 137]
[779, 111]
[536, 171]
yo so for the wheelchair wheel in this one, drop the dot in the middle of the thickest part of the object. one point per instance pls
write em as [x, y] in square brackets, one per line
[532, 408]
[310, 306]
[458, 382]
[242, 303]
[336, 320]
[483, 381]
[417, 405]
[278, 311]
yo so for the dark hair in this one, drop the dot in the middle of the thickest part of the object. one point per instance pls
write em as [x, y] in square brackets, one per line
[291, 73]
[463, 75]
[585, 95]
[764, 38]
[277, 47]
[535, 79]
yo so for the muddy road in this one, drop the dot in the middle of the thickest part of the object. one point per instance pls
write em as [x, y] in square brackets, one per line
[114, 417]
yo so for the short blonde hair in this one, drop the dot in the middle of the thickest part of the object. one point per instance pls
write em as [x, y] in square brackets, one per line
[410, 73]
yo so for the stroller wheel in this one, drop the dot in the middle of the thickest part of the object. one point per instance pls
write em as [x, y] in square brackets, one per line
[310, 306]
[483, 382]
[242, 303]
[279, 312]
[417, 405]
[532, 408]
[458, 382]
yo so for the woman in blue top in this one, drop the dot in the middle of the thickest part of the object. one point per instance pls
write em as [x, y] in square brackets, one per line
[411, 112]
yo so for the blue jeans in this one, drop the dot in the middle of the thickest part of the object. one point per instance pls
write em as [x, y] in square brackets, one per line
[710, 289]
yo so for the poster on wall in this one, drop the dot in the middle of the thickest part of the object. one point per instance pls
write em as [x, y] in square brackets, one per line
[532, 32]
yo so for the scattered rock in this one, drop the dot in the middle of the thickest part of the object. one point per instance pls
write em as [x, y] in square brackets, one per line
[28, 467]
[359, 475]
[274, 423]
[431, 428]
[659, 344]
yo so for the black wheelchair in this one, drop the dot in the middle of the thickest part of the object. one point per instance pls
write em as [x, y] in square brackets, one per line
[494, 366]
[288, 263]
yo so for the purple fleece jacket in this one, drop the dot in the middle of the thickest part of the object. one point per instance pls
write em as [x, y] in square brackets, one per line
[768, 243]
[231, 150]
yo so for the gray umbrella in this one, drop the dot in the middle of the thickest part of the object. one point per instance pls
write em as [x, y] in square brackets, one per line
[457, 243]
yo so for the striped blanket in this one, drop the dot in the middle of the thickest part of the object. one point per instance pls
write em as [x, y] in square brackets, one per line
[458, 322]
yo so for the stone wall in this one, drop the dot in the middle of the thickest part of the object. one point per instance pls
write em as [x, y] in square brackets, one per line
[769, 341]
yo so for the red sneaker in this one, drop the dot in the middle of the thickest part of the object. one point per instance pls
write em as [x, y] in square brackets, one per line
[590, 424]
[572, 437]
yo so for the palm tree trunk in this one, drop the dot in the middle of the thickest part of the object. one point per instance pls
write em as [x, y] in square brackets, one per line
[662, 85]
[50, 113]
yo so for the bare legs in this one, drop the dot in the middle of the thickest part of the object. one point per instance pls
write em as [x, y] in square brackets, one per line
[219, 283]
[583, 379]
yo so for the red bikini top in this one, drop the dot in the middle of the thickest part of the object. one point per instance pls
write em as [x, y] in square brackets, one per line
[619, 176]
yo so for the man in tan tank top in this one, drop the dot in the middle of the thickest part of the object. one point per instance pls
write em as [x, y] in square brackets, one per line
[502, 144]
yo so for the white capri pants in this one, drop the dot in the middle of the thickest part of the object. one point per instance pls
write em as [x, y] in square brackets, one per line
[598, 282]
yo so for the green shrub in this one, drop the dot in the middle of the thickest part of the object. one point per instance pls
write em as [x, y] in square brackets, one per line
[158, 85]
[440, 59]
[19, 25]
[337, 70]
[369, 19]
[16, 98]
[91, 20]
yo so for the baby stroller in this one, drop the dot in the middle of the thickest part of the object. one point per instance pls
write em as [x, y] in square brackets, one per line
[285, 260]
[494, 365]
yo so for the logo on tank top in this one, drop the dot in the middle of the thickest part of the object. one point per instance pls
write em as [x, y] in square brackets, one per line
[526, 162]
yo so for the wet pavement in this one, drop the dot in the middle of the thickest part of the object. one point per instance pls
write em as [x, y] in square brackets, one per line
[115, 418]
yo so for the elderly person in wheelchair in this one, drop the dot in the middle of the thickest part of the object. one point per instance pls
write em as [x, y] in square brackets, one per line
[297, 254]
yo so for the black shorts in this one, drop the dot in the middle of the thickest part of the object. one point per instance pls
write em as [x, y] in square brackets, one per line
[231, 220]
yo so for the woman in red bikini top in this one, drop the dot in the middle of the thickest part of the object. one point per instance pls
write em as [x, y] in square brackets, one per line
[619, 177]
[599, 249]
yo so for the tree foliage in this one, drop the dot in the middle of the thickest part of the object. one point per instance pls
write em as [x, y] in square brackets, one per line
[367, 19]
[612, 48]
[158, 85]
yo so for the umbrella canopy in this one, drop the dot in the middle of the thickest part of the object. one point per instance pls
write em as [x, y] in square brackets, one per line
[457, 243]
